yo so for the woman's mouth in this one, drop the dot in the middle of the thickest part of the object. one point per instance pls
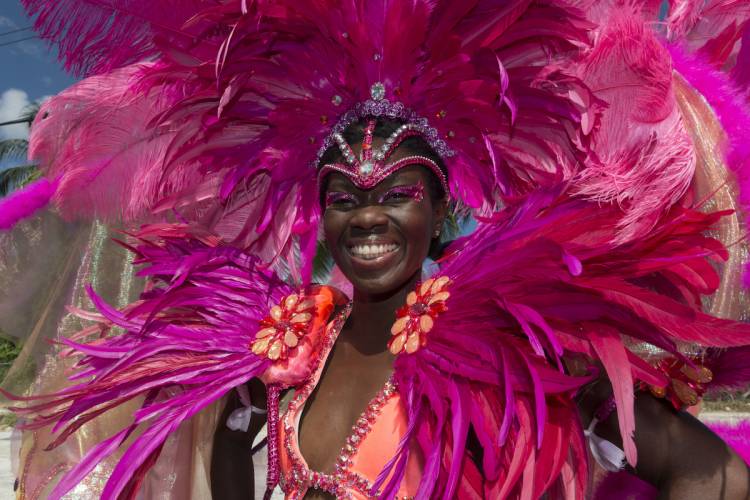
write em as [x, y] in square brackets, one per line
[372, 251]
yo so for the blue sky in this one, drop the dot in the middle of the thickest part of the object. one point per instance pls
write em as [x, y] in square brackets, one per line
[30, 70]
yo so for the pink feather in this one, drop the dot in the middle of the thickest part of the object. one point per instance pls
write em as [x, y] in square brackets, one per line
[737, 436]
[99, 35]
[732, 109]
[25, 202]
[730, 106]
[642, 156]
[710, 28]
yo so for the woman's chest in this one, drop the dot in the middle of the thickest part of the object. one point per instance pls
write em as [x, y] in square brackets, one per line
[344, 395]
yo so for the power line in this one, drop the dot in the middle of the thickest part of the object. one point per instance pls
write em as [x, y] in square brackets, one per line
[14, 122]
[16, 31]
[18, 41]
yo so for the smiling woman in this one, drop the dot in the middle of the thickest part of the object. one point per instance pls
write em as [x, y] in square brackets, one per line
[257, 129]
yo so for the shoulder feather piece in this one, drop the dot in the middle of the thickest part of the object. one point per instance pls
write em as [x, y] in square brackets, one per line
[481, 345]
[216, 320]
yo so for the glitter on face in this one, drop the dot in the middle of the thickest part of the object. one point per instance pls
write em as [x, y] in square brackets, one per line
[414, 192]
[340, 198]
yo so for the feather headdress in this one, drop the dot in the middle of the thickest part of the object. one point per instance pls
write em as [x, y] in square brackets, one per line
[237, 99]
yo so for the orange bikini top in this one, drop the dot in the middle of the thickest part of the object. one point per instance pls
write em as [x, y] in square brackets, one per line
[373, 441]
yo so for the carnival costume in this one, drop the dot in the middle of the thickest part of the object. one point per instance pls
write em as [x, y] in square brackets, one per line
[568, 129]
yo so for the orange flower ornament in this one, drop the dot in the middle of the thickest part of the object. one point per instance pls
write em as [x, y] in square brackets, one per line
[290, 335]
[415, 320]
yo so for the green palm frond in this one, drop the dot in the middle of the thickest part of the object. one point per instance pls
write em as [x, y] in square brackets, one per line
[17, 177]
[29, 112]
[322, 263]
[13, 149]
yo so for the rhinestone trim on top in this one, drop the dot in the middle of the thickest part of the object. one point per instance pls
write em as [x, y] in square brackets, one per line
[386, 109]
[342, 480]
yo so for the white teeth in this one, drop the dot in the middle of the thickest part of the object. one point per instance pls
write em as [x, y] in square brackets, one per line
[372, 251]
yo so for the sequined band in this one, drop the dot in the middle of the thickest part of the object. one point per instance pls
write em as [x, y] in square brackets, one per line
[370, 181]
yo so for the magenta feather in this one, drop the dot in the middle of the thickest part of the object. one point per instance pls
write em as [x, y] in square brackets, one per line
[730, 105]
[732, 109]
[521, 303]
[737, 436]
[730, 368]
[187, 341]
[710, 28]
[624, 485]
[94, 36]
[25, 202]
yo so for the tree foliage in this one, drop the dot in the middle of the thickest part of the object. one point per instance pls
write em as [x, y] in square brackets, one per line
[15, 150]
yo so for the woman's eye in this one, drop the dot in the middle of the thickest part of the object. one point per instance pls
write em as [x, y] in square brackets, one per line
[340, 199]
[403, 193]
[396, 196]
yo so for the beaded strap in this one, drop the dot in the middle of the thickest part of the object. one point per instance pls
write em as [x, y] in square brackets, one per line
[342, 480]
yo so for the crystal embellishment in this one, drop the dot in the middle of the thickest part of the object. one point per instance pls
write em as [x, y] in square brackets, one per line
[366, 168]
[342, 482]
[377, 91]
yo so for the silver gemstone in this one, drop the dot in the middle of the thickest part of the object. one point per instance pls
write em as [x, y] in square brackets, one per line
[377, 91]
[366, 168]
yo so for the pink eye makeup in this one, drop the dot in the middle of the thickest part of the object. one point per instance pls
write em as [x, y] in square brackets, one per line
[340, 197]
[414, 192]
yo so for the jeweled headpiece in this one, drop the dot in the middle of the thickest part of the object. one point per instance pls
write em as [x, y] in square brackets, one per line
[371, 167]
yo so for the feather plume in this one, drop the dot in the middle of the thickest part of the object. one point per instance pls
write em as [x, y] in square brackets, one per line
[94, 36]
[732, 109]
[710, 28]
[542, 279]
[25, 202]
[730, 106]
[737, 436]
[187, 343]
[642, 157]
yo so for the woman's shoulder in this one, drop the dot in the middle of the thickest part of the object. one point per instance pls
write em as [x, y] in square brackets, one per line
[308, 335]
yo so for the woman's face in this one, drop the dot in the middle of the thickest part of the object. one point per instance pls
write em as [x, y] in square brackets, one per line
[380, 237]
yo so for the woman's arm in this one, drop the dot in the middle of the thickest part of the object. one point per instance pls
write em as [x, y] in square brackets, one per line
[677, 454]
[232, 475]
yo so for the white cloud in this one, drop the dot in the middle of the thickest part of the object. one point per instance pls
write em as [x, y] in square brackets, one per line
[12, 104]
[32, 48]
[6, 22]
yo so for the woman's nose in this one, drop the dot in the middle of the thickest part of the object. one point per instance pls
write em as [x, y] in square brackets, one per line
[369, 218]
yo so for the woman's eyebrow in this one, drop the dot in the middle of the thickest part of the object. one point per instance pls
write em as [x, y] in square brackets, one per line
[414, 190]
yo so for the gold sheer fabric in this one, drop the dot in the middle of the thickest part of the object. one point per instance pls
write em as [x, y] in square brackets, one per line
[44, 267]
[715, 183]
